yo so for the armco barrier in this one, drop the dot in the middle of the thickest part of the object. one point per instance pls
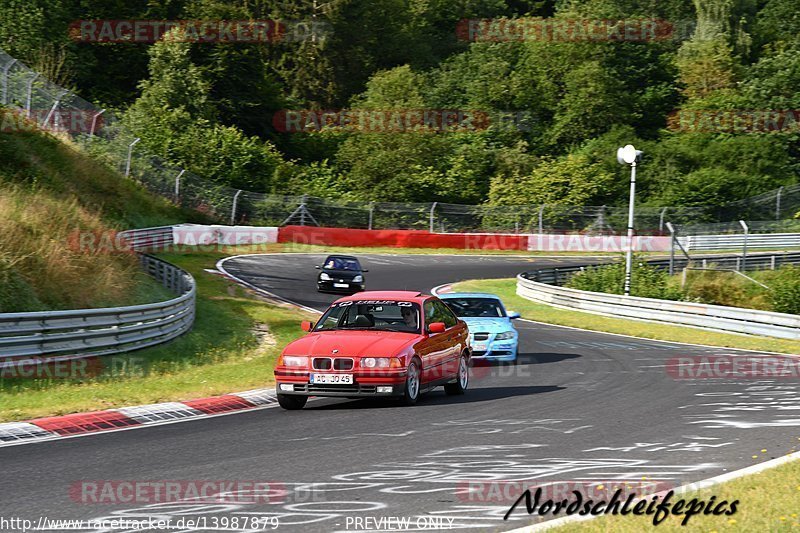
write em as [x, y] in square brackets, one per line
[542, 286]
[771, 241]
[98, 332]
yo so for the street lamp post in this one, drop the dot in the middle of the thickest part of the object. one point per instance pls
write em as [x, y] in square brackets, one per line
[629, 155]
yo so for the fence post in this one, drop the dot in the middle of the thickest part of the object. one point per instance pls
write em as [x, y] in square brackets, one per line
[744, 249]
[671, 229]
[94, 121]
[432, 214]
[6, 70]
[778, 203]
[303, 210]
[541, 219]
[371, 211]
[661, 220]
[57, 103]
[130, 152]
[29, 95]
[178, 185]
[233, 208]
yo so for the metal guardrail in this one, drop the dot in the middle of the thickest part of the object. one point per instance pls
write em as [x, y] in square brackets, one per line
[730, 242]
[560, 275]
[97, 332]
[543, 286]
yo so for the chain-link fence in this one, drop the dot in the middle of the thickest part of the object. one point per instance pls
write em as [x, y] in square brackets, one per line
[48, 106]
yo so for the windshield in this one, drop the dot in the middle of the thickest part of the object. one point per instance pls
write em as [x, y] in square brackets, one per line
[476, 307]
[382, 315]
[340, 263]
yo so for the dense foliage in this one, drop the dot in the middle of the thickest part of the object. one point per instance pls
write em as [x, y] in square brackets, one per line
[212, 108]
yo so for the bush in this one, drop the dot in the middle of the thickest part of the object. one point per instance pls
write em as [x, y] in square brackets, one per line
[646, 281]
[785, 293]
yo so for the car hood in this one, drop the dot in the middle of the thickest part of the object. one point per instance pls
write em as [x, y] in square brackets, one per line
[352, 343]
[490, 325]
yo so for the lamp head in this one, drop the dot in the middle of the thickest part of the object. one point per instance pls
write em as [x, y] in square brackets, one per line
[628, 155]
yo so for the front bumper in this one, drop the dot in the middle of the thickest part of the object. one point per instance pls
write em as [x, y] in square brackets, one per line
[364, 385]
[328, 286]
[494, 350]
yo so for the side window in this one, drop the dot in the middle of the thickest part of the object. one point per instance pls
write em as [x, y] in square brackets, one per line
[430, 313]
[445, 314]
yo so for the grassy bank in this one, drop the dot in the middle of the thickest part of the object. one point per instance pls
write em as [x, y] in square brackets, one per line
[232, 347]
[506, 289]
[49, 194]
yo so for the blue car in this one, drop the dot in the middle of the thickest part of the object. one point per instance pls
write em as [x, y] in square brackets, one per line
[492, 333]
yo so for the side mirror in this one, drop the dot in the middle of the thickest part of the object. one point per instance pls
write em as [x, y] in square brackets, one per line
[306, 325]
[513, 314]
[436, 327]
[317, 267]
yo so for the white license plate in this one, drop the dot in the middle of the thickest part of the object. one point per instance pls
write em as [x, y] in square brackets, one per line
[332, 379]
[479, 346]
[341, 285]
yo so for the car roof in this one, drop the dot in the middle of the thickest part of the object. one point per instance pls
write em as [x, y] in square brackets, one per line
[337, 256]
[447, 295]
[385, 295]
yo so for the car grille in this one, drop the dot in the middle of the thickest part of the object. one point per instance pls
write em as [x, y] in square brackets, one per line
[321, 363]
[481, 336]
[341, 363]
[329, 363]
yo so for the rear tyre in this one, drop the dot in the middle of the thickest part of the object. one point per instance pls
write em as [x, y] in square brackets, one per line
[292, 403]
[462, 379]
[411, 392]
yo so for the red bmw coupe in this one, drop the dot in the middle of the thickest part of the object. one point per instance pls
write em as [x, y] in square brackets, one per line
[376, 344]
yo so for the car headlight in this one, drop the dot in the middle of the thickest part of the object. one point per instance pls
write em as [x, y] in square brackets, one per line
[358, 279]
[380, 362]
[293, 360]
[324, 277]
[506, 335]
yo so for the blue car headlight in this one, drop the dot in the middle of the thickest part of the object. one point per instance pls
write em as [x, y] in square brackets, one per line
[506, 335]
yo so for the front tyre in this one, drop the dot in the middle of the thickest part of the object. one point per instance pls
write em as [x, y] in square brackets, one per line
[462, 379]
[411, 393]
[291, 402]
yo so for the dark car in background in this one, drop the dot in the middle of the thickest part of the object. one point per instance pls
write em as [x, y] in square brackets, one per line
[341, 273]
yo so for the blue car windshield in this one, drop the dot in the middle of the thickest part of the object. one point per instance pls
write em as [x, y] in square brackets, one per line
[476, 307]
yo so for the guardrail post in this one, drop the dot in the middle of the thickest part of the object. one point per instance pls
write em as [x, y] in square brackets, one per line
[772, 263]
[233, 208]
[6, 70]
[744, 249]
[130, 153]
[432, 215]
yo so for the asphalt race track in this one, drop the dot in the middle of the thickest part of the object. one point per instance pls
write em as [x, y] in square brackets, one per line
[581, 407]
